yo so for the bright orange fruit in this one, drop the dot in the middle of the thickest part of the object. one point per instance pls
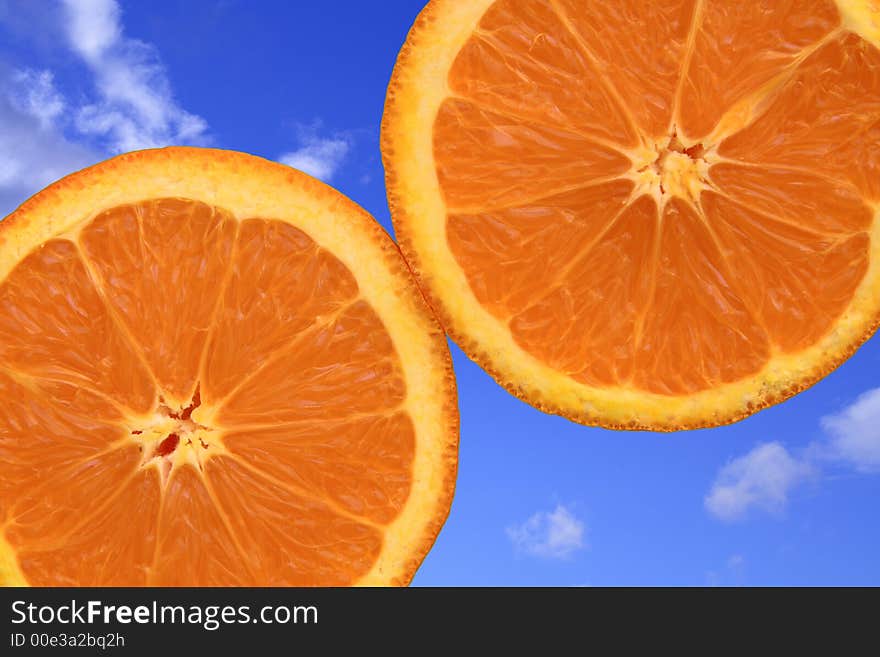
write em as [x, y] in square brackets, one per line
[651, 214]
[215, 370]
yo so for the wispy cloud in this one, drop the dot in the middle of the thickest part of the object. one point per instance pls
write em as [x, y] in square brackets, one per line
[854, 433]
[135, 107]
[555, 534]
[127, 102]
[733, 573]
[761, 479]
[318, 156]
[33, 93]
[33, 152]
[94, 26]
[765, 477]
[124, 102]
[736, 562]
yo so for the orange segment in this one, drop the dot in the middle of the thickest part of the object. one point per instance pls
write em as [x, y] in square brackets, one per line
[523, 61]
[344, 366]
[291, 539]
[54, 324]
[195, 542]
[47, 517]
[799, 302]
[825, 119]
[49, 413]
[87, 558]
[740, 47]
[160, 264]
[504, 252]
[803, 199]
[486, 160]
[299, 283]
[571, 326]
[721, 255]
[216, 371]
[362, 465]
[643, 64]
[703, 320]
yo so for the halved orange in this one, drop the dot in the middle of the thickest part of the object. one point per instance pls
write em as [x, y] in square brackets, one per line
[646, 214]
[215, 370]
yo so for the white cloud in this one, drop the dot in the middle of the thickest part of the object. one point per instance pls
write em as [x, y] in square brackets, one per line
[854, 433]
[763, 478]
[33, 93]
[94, 26]
[33, 153]
[733, 573]
[317, 156]
[135, 106]
[556, 534]
[736, 562]
[44, 135]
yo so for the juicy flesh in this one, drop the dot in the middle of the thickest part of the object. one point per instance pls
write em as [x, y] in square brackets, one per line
[190, 399]
[662, 194]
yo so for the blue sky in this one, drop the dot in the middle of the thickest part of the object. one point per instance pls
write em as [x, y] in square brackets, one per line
[788, 496]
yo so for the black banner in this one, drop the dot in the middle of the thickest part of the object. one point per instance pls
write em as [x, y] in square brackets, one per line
[281, 621]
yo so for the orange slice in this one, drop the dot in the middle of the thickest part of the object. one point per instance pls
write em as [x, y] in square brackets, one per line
[644, 214]
[215, 370]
